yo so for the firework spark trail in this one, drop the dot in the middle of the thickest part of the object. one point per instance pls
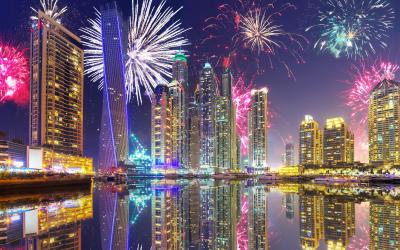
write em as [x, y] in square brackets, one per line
[353, 28]
[363, 79]
[14, 75]
[241, 98]
[93, 43]
[154, 38]
[50, 8]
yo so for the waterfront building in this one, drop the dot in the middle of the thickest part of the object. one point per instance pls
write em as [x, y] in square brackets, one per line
[339, 222]
[289, 154]
[310, 142]
[42, 158]
[193, 142]
[225, 128]
[338, 142]
[258, 218]
[12, 153]
[180, 70]
[384, 123]
[384, 221]
[178, 125]
[161, 148]
[258, 131]
[208, 96]
[56, 87]
[113, 150]
[311, 212]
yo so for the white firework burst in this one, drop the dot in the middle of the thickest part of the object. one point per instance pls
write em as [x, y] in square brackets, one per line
[259, 32]
[92, 41]
[50, 8]
[154, 39]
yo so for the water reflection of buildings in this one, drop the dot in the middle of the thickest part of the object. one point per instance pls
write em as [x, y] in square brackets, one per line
[52, 225]
[113, 207]
[258, 218]
[384, 223]
[311, 221]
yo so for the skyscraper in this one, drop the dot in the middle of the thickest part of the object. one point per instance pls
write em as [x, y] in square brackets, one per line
[208, 96]
[383, 123]
[310, 143]
[177, 90]
[56, 101]
[114, 120]
[289, 154]
[258, 130]
[161, 148]
[338, 142]
[193, 126]
[225, 127]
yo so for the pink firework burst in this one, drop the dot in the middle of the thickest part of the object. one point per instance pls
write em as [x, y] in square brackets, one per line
[363, 79]
[14, 75]
[242, 97]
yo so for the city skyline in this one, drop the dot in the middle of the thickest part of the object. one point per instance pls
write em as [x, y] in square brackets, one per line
[281, 88]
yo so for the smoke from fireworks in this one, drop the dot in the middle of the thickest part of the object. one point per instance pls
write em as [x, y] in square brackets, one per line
[154, 38]
[353, 28]
[50, 8]
[364, 79]
[250, 33]
[92, 40]
[14, 75]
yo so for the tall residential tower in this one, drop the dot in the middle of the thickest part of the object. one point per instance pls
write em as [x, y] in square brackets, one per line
[310, 144]
[384, 123]
[258, 131]
[56, 101]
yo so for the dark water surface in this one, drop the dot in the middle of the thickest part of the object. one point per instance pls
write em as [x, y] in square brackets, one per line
[203, 214]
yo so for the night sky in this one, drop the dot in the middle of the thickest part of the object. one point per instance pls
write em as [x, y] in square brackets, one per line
[318, 89]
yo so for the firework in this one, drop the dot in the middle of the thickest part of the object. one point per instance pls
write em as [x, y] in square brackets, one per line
[154, 39]
[92, 41]
[50, 8]
[363, 80]
[14, 75]
[353, 28]
[251, 31]
[242, 226]
[241, 95]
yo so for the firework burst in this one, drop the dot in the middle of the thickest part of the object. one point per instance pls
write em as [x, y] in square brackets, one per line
[50, 8]
[353, 28]
[154, 39]
[363, 80]
[92, 41]
[14, 75]
[251, 31]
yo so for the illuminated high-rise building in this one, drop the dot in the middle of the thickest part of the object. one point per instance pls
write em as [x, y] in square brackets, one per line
[178, 125]
[384, 123]
[208, 96]
[339, 222]
[384, 221]
[289, 154]
[311, 212]
[338, 142]
[161, 148]
[114, 121]
[310, 142]
[180, 70]
[225, 127]
[56, 101]
[258, 130]
[258, 218]
[193, 127]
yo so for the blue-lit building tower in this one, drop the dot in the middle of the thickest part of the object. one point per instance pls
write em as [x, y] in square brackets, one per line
[208, 96]
[114, 120]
